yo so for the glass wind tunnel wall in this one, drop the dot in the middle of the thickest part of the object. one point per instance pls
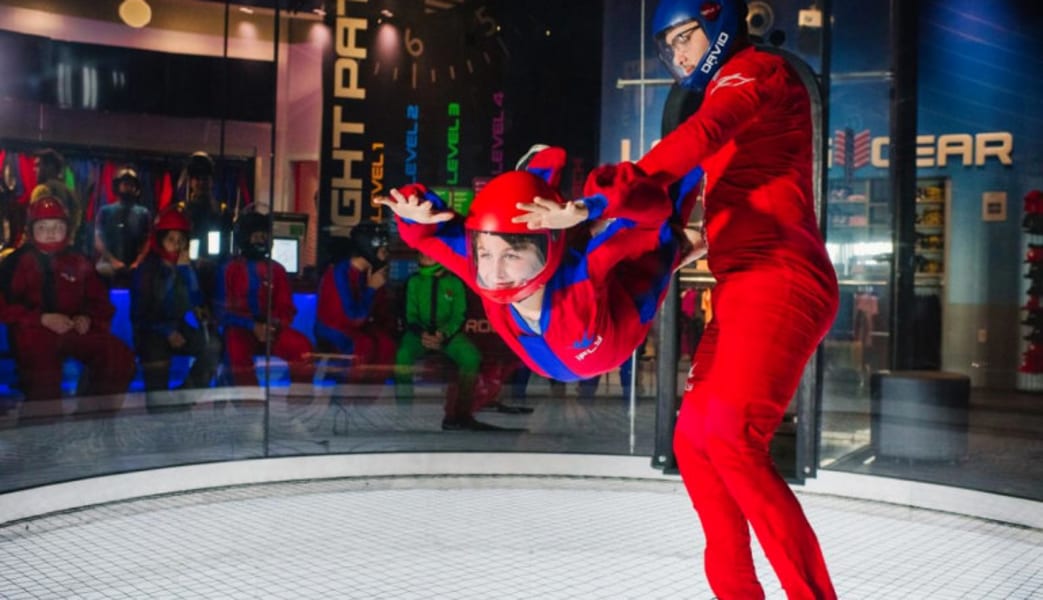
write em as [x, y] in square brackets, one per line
[276, 389]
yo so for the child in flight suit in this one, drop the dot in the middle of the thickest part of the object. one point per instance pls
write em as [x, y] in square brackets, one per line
[571, 307]
[243, 295]
[57, 307]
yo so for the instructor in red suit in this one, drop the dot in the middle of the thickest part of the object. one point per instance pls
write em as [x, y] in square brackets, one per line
[775, 298]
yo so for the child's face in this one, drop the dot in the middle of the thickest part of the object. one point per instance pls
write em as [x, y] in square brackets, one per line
[174, 242]
[49, 231]
[502, 266]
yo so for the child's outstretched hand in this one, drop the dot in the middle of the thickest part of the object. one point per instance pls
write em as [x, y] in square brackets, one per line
[548, 214]
[414, 208]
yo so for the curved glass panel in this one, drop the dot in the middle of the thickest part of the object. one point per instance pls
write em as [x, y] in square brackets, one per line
[228, 288]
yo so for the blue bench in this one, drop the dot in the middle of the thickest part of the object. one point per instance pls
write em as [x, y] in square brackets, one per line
[304, 322]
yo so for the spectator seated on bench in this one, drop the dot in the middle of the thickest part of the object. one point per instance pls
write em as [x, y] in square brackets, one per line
[436, 309]
[56, 307]
[355, 315]
[72, 370]
[169, 315]
[249, 322]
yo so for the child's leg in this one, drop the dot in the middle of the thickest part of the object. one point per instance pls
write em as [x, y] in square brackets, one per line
[409, 351]
[293, 347]
[240, 346]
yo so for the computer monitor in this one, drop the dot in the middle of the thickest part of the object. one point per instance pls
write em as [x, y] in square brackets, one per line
[287, 252]
[213, 243]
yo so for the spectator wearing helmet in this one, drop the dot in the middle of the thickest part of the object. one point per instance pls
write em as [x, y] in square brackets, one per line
[51, 183]
[571, 308]
[775, 294]
[121, 230]
[210, 218]
[212, 227]
[169, 314]
[354, 313]
[249, 319]
[56, 308]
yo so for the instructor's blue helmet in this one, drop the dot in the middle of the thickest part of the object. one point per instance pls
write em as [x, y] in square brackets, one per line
[723, 21]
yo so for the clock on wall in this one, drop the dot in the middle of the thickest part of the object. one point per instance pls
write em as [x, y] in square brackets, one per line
[435, 91]
[416, 48]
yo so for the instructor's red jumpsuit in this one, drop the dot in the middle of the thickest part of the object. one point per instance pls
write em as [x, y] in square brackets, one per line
[775, 298]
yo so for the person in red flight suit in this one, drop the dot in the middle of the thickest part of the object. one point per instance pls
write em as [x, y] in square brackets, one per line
[775, 297]
[571, 307]
[57, 307]
[242, 301]
[354, 314]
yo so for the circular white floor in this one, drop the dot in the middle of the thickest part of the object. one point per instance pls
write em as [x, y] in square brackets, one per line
[482, 538]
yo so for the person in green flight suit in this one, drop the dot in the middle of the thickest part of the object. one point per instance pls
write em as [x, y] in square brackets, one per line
[436, 307]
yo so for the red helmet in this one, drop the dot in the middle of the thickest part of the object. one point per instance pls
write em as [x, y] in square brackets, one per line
[514, 261]
[46, 207]
[43, 208]
[170, 219]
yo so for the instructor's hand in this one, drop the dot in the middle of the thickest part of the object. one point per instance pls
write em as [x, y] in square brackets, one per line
[414, 208]
[548, 214]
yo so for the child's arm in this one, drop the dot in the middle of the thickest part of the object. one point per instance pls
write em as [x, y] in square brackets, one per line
[620, 191]
[283, 308]
[641, 208]
[427, 224]
[97, 306]
[231, 302]
[458, 310]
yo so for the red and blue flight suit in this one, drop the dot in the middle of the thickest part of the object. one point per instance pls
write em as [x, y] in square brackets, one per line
[775, 297]
[354, 318]
[243, 304]
[602, 288]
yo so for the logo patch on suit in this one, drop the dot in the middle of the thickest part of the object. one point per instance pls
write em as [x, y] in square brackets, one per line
[590, 348]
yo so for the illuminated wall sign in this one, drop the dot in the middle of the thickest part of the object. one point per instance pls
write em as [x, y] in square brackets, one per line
[452, 161]
[496, 156]
[343, 153]
[376, 168]
[412, 141]
[962, 149]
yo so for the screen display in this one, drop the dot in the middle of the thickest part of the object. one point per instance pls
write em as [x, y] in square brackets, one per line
[285, 252]
[213, 243]
[193, 249]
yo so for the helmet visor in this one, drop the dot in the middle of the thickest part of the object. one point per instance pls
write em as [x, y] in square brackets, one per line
[681, 48]
[504, 262]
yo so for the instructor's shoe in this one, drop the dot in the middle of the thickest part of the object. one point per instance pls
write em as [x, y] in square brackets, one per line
[472, 424]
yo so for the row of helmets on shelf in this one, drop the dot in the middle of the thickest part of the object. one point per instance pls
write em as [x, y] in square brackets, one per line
[1032, 358]
[1033, 221]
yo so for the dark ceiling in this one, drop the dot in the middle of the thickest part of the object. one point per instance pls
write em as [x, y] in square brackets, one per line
[284, 5]
[310, 5]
